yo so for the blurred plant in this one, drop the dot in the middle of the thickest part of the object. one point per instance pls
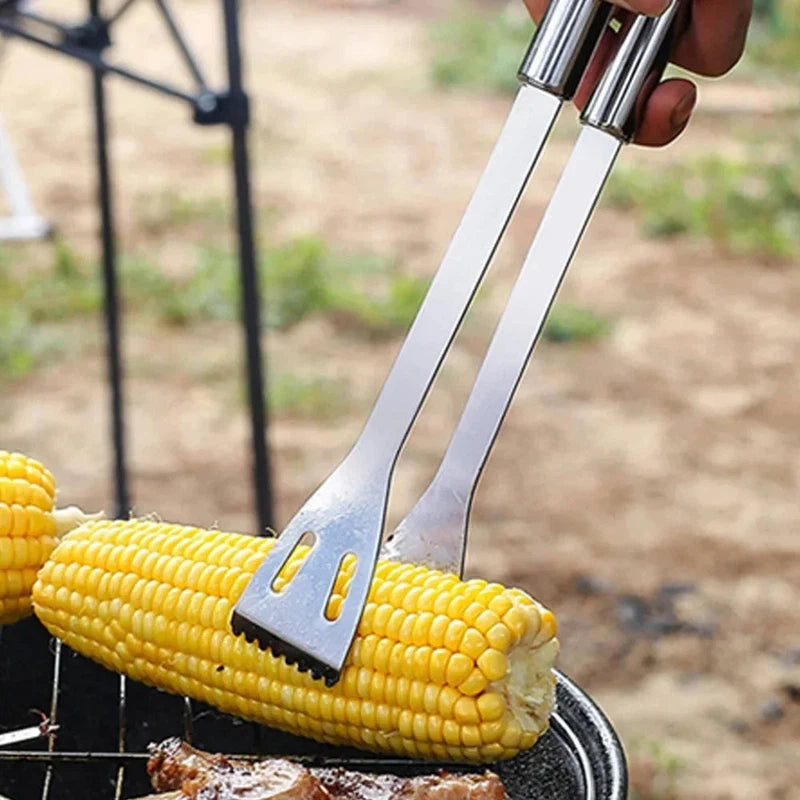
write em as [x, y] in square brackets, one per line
[377, 316]
[24, 344]
[362, 293]
[209, 293]
[481, 51]
[216, 154]
[168, 210]
[308, 397]
[34, 298]
[368, 292]
[774, 39]
[29, 302]
[299, 279]
[766, 9]
[567, 323]
[67, 289]
[16, 355]
[743, 207]
[654, 773]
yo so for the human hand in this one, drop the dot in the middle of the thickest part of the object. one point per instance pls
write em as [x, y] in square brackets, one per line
[711, 45]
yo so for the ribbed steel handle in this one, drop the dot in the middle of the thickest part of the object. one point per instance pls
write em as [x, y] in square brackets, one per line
[564, 43]
[618, 100]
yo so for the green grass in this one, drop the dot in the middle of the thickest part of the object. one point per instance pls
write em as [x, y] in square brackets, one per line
[568, 323]
[33, 300]
[748, 207]
[308, 397]
[654, 773]
[304, 277]
[774, 39]
[480, 51]
[161, 213]
[216, 154]
[24, 344]
[67, 289]
[364, 295]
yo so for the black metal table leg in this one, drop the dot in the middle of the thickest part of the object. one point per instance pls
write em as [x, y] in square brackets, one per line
[250, 299]
[111, 305]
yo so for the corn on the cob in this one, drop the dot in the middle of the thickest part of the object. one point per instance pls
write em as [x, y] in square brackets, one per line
[29, 529]
[441, 668]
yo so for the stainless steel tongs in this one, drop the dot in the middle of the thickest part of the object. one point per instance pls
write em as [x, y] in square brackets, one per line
[345, 516]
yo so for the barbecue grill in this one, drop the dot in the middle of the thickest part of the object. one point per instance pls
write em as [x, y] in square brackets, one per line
[104, 723]
[70, 729]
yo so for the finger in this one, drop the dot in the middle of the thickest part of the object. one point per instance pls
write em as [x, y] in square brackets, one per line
[716, 37]
[537, 7]
[667, 113]
[651, 7]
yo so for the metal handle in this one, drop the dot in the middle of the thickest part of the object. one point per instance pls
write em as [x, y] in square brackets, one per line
[618, 100]
[563, 46]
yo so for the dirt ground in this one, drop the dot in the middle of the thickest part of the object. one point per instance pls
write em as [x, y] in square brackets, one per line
[645, 486]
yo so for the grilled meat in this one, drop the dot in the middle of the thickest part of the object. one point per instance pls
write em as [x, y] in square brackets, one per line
[175, 765]
[345, 784]
[181, 772]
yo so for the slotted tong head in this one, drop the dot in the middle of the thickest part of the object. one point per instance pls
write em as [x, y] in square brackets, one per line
[346, 514]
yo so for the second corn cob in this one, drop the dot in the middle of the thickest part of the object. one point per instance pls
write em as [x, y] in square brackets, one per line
[29, 529]
[441, 668]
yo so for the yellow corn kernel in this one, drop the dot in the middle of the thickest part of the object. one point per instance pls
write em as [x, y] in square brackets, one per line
[422, 626]
[500, 637]
[516, 621]
[438, 665]
[438, 630]
[448, 697]
[381, 620]
[430, 698]
[457, 606]
[491, 731]
[452, 732]
[471, 736]
[459, 668]
[493, 664]
[491, 706]
[472, 612]
[500, 604]
[474, 683]
[421, 663]
[492, 752]
[472, 643]
[466, 710]
[486, 620]
[454, 634]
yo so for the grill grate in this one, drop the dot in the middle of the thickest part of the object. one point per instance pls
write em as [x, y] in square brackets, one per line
[98, 726]
[104, 724]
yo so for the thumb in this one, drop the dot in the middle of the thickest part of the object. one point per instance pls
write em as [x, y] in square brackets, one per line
[651, 7]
